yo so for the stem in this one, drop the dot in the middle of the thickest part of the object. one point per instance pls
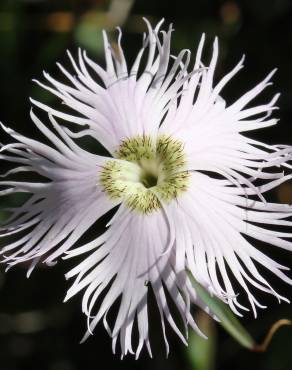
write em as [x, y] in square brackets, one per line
[274, 328]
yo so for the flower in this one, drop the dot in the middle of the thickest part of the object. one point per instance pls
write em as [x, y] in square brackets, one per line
[186, 182]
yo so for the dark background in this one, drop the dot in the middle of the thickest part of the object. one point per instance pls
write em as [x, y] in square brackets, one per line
[38, 331]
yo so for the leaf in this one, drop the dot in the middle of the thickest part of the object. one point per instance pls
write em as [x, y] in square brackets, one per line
[201, 353]
[227, 318]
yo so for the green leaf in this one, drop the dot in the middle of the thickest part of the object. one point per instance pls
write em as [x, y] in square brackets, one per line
[227, 319]
[201, 353]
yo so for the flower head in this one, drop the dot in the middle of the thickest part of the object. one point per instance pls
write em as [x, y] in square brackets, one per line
[187, 183]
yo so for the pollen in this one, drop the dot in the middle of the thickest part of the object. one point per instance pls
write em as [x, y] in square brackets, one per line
[146, 172]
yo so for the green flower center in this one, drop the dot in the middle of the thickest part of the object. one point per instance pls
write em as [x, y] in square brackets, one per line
[149, 180]
[146, 172]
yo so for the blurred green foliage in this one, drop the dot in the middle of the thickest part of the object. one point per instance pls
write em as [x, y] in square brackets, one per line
[201, 352]
[226, 317]
[37, 331]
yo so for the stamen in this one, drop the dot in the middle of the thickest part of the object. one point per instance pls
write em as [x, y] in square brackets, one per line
[149, 171]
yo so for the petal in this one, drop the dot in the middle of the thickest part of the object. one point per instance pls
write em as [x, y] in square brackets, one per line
[59, 210]
[104, 107]
[215, 221]
[129, 259]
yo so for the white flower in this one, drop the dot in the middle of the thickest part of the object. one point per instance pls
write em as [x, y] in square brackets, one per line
[188, 182]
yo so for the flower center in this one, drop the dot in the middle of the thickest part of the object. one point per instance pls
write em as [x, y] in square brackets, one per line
[149, 180]
[146, 172]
